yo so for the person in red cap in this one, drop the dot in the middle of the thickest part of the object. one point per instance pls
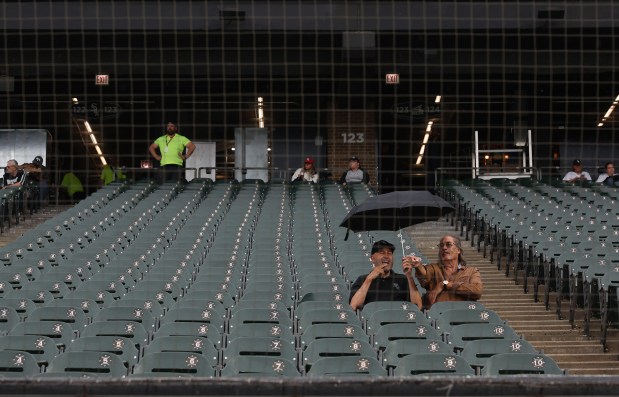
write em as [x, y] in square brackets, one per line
[307, 173]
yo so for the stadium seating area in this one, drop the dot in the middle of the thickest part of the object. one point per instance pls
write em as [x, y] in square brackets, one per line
[562, 236]
[232, 279]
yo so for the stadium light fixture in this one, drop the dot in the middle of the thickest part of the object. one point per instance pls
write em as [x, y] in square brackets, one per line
[437, 99]
[103, 160]
[93, 139]
[87, 125]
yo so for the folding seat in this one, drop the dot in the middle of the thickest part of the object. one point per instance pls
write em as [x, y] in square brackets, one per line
[88, 306]
[128, 313]
[521, 364]
[324, 296]
[332, 330]
[372, 307]
[8, 319]
[454, 317]
[174, 364]
[390, 332]
[205, 304]
[393, 316]
[18, 364]
[112, 287]
[260, 316]
[433, 364]
[152, 306]
[476, 352]
[164, 299]
[307, 306]
[461, 334]
[259, 367]
[262, 330]
[224, 296]
[131, 330]
[335, 347]
[438, 308]
[286, 291]
[171, 288]
[324, 287]
[86, 364]
[286, 298]
[70, 278]
[72, 315]
[116, 345]
[260, 346]
[100, 297]
[194, 315]
[195, 330]
[346, 366]
[61, 333]
[42, 348]
[399, 348]
[13, 276]
[327, 316]
[187, 344]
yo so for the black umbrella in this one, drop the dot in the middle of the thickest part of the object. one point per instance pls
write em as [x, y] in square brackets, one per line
[396, 210]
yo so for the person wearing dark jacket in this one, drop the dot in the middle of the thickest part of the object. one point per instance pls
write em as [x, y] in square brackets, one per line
[355, 173]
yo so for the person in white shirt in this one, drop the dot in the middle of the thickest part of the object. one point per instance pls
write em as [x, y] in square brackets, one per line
[307, 173]
[576, 174]
[607, 177]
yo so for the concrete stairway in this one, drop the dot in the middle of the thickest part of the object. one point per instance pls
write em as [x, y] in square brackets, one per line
[16, 230]
[569, 347]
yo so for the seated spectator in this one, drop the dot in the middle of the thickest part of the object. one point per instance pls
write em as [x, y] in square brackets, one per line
[450, 279]
[382, 283]
[307, 173]
[576, 174]
[37, 176]
[609, 176]
[13, 176]
[355, 173]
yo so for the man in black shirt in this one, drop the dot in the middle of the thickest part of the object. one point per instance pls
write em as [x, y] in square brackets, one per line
[382, 283]
[13, 177]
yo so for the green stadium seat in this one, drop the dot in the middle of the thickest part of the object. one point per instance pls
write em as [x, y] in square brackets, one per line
[433, 364]
[347, 366]
[259, 367]
[80, 363]
[521, 364]
[174, 364]
[117, 345]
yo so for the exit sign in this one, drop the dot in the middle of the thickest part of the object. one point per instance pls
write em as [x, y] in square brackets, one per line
[392, 78]
[102, 79]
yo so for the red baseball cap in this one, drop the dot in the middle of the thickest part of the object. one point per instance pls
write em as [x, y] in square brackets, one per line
[309, 160]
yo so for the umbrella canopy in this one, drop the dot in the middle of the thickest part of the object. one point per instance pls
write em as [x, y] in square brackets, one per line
[396, 210]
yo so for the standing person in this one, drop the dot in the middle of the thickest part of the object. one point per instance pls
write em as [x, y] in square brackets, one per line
[307, 173]
[608, 176]
[450, 279]
[174, 149]
[355, 173]
[13, 177]
[382, 283]
[576, 174]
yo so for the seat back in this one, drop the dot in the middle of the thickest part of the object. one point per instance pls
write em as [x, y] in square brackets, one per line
[399, 348]
[433, 363]
[336, 347]
[117, 345]
[259, 366]
[177, 364]
[100, 364]
[17, 364]
[521, 363]
[347, 366]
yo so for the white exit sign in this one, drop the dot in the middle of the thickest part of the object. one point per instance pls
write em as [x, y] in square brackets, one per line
[102, 79]
[392, 78]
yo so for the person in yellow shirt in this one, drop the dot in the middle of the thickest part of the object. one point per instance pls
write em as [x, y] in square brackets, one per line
[171, 150]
